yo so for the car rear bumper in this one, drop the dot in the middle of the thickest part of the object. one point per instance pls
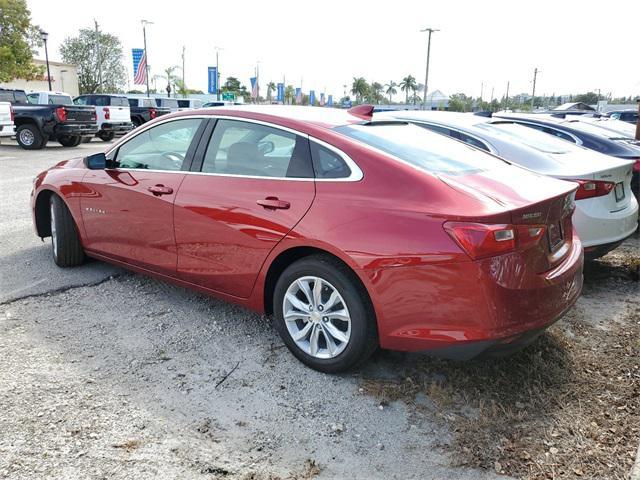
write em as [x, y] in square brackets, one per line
[461, 310]
[76, 129]
[599, 227]
[7, 130]
[119, 128]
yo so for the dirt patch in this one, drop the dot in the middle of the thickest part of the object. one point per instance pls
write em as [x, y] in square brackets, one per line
[566, 407]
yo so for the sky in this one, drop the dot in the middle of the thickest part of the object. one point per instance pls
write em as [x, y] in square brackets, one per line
[577, 46]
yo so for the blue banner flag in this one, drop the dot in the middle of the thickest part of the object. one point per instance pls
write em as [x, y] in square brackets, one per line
[298, 95]
[322, 99]
[330, 101]
[254, 87]
[212, 86]
[280, 97]
[312, 97]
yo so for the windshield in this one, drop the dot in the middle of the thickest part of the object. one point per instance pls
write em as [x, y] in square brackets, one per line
[535, 139]
[421, 148]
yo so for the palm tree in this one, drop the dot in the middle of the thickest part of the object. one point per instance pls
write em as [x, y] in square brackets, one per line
[391, 89]
[170, 77]
[408, 84]
[359, 88]
[271, 87]
[376, 92]
[289, 94]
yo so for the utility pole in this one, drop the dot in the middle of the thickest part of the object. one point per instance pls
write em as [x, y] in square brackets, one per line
[184, 85]
[98, 55]
[146, 53]
[533, 93]
[506, 98]
[426, 76]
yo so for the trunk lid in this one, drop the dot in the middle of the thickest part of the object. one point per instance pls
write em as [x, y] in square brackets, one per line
[529, 200]
[119, 114]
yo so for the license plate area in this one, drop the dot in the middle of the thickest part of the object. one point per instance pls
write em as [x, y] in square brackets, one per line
[619, 191]
[555, 236]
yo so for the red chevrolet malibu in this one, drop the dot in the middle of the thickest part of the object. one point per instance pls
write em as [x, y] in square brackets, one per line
[353, 233]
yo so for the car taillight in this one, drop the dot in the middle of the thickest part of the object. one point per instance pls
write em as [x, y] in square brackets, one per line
[107, 113]
[61, 113]
[12, 113]
[481, 240]
[593, 188]
[153, 113]
[636, 166]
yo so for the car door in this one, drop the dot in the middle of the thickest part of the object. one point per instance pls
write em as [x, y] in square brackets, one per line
[251, 184]
[127, 210]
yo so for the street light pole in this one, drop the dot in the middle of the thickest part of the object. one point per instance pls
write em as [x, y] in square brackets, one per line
[146, 53]
[45, 36]
[98, 56]
[426, 77]
[217, 49]
[533, 93]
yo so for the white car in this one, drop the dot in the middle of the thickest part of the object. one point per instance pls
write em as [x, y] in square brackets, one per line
[189, 103]
[606, 209]
[113, 112]
[170, 103]
[7, 128]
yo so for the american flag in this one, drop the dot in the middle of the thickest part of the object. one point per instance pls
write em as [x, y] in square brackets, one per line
[141, 72]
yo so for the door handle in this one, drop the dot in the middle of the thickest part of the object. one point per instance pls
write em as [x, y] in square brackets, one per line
[160, 190]
[273, 203]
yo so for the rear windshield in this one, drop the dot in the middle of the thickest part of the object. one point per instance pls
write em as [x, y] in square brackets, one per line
[119, 102]
[60, 100]
[535, 139]
[167, 102]
[422, 148]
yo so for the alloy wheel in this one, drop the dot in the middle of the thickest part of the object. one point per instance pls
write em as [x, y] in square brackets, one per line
[317, 317]
[27, 137]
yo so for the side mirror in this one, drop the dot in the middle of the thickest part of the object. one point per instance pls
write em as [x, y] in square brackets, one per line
[266, 147]
[97, 161]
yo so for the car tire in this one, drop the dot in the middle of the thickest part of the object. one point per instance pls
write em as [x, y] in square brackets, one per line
[69, 140]
[106, 137]
[30, 138]
[340, 344]
[65, 242]
[136, 122]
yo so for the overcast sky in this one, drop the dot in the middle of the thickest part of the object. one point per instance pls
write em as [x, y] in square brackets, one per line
[324, 44]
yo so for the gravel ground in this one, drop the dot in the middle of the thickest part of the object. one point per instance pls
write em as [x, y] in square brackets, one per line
[108, 374]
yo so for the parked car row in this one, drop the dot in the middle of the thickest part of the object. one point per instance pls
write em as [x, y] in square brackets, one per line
[57, 119]
[457, 235]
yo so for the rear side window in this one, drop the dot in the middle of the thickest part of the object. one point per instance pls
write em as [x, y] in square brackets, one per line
[472, 141]
[119, 102]
[421, 148]
[133, 102]
[60, 100]
[327, 163]
[251, 149]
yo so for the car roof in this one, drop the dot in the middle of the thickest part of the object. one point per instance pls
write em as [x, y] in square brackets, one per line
[316, 116]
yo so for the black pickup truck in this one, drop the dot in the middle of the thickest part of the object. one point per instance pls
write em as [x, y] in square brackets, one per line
[145, 109]
[38, 124]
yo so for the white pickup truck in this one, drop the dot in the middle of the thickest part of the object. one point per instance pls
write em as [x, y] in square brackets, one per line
[7, 128]
[114, 114]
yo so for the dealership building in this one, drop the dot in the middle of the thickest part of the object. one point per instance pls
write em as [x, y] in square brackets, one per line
[64, 78]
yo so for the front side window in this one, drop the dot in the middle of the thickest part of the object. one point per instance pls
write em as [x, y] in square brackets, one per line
[33, 98]
[251, 149]
[80, 101]
[421, 148]
[163, 147]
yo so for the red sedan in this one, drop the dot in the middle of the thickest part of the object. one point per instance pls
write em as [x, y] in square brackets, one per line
[353, 233]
